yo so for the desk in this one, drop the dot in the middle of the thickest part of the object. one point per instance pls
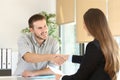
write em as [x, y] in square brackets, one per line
[23, 78]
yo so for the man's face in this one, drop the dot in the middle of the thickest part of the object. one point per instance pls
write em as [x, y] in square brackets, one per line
[40, 29]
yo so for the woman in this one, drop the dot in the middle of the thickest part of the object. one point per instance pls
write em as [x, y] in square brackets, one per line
[100, 61]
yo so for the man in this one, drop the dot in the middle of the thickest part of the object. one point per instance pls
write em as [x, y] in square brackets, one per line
[37, 50]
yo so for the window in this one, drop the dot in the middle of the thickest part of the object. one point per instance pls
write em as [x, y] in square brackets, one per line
[118, 40]
[69, 46]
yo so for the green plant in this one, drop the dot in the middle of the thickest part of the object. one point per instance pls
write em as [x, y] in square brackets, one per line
[51, 23]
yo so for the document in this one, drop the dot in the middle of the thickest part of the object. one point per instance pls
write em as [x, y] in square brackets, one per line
[57, 71]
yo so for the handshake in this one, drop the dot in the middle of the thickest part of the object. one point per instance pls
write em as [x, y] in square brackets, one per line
[59, 59]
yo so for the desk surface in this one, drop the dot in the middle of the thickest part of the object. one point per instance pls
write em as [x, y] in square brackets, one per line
[23, 78]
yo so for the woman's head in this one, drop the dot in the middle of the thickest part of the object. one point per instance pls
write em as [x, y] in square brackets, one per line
[95, 22]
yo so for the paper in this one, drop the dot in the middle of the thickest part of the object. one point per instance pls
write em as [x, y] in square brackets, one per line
[55, 70]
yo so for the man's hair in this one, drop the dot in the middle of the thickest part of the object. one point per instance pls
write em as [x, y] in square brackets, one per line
[34, 18]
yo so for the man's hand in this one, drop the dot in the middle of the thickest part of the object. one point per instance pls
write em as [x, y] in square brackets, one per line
[59, 59]
[27, 73]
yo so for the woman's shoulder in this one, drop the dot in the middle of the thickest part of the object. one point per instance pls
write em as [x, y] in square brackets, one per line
[94, 43]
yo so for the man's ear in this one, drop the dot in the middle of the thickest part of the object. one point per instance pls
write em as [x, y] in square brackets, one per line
[31, 29]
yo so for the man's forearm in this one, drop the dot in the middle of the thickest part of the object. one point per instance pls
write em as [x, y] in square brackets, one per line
[45, 71]
[34, 58]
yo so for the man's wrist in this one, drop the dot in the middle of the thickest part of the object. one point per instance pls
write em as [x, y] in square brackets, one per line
[50, 57]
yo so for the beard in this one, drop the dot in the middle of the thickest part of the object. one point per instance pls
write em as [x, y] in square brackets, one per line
[40, 37]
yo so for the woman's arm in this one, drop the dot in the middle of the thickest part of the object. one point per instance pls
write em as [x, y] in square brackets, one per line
[88, 64]
[77, 59]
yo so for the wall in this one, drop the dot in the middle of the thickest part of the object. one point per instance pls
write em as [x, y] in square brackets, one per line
[14, 15]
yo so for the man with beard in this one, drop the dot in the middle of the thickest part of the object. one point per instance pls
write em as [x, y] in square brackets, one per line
[37, 50]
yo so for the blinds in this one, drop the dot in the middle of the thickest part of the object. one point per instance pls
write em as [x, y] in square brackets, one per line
[114, 16]
[64, 11]
[81, 7]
